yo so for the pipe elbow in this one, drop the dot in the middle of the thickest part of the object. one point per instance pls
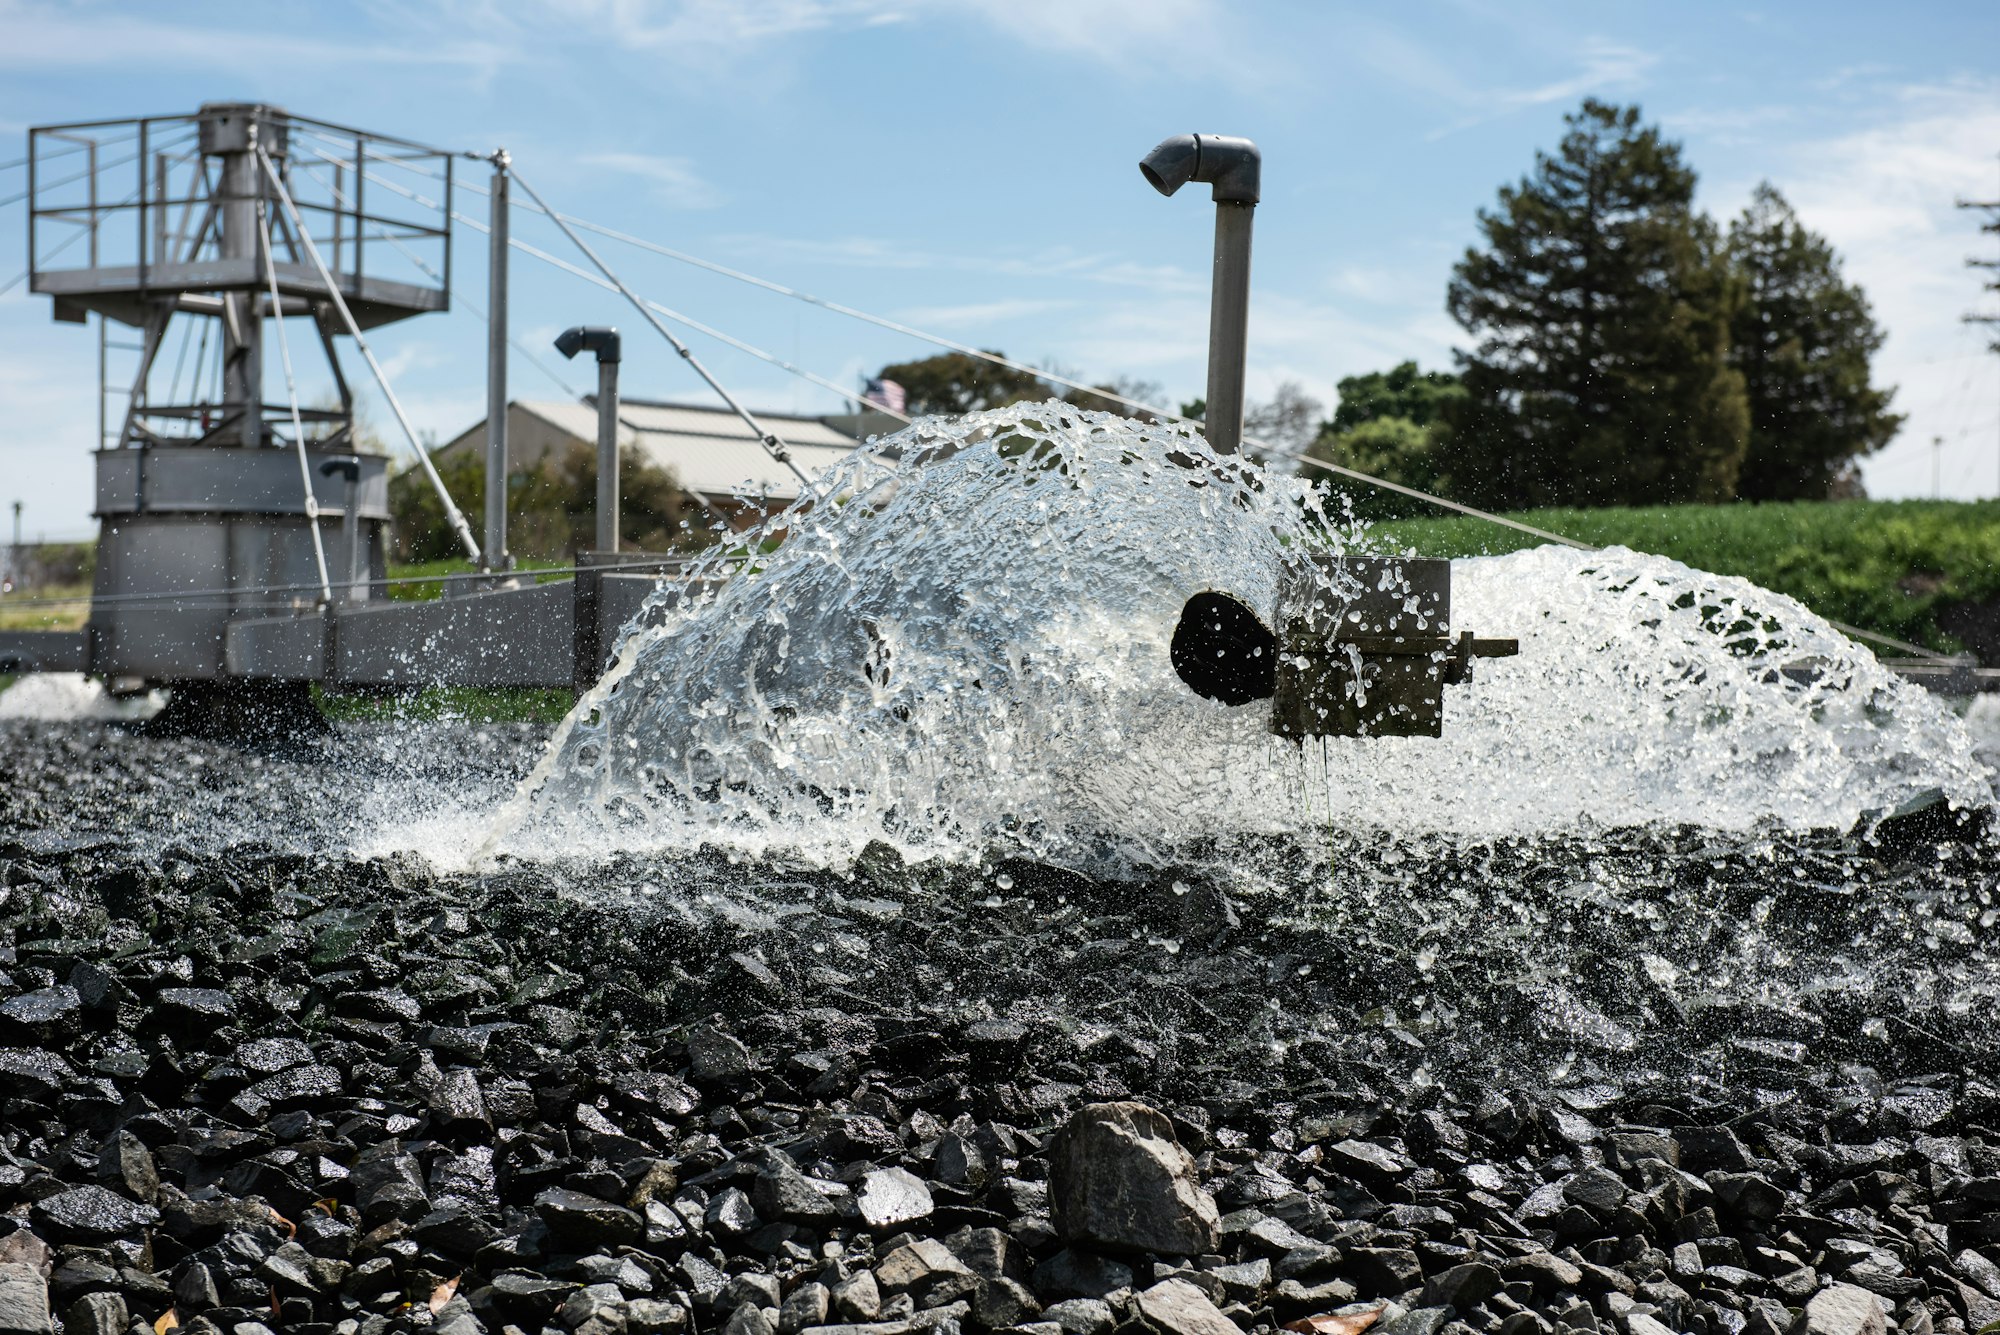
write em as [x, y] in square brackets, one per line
[1231, 164]
[600, 339]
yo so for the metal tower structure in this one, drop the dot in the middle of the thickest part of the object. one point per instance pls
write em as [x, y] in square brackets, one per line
[213, 227]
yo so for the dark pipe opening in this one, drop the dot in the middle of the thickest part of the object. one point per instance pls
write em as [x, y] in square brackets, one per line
[1222, 651]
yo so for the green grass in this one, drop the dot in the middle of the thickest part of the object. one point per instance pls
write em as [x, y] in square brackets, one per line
[1887, 566]
[466, 703]
[432, 585]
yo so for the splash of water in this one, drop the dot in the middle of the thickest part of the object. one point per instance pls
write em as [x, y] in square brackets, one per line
[963, 643]
[65, 697]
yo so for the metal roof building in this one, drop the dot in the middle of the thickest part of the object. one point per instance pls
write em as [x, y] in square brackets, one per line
[708, 450]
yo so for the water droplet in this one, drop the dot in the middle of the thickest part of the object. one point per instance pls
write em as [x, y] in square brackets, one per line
[1004, 881]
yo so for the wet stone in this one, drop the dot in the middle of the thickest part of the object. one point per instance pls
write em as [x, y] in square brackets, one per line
[1462, 1286]
[891, 1196]
[580, 1222]
[92, 1212]
[1119, 1179]
[52, 1015]
[715, 1057]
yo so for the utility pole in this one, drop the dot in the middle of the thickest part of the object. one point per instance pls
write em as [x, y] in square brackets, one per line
[1991, 319]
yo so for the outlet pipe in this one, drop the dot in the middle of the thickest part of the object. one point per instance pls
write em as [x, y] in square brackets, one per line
[1233, 166]
[602, 340]
[497, 555]
[354, 587]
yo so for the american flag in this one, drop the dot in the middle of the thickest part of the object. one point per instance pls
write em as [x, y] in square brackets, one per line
[885, 394]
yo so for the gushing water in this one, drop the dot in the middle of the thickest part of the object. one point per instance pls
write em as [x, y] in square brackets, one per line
[962, 645]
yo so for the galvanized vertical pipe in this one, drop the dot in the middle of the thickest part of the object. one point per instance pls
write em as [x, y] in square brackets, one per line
[350, 535]
[497, 556]
[607, 454]
[1229, 326]
[1234, 167]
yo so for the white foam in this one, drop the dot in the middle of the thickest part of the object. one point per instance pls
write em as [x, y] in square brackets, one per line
[59, 697]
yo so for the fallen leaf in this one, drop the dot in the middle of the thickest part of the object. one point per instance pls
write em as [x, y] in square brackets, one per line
[169, 1320]
[328, 1204]
[442, 1294]
[291, 1229]
[1347, 1321]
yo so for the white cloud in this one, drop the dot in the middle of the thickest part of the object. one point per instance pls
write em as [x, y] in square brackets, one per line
[978, 313]
[676, 182]
[1604, 66]
[43, 38]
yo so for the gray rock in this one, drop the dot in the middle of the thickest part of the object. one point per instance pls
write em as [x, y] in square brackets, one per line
[959, 1162]
[126, 1165]
[1003, 1302]
[781, 1191]
[1417, 1321]
[1295, 1298]
[268, 1056]
[1384, 1270]
[32, 1073]
[195, 1009]
[1365, 1162]
[1980, 1270]
[456, 1103]
[583, 1223]
[858, 1298]
[195, 1288]
[730, 1213]
[92, 1212]
[1750, 1195]
[24, 1300]
[752, 1287]
[97, 1314]
[456, 1318]
[808, 1305]
[1639, 1323]
[716, 1058]
[23, 1247]
[862, 1328]
[1244, 1283]
[927, 1271]
[654, 1316]
[1843, 1309]
[1120, 1180]
[1545, 1270]
[1596, 1190]
[891, 1196]
[990, 1253]
[387, 1185]
[52, 1015]
[1462, 1287]
[1074, 1274]
[1081, 1316]
[593, 1302]
[1626, 1150]
[1176, 1307]
[748, 1319]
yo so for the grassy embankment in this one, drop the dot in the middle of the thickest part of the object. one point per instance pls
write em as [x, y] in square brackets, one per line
[1887, 566]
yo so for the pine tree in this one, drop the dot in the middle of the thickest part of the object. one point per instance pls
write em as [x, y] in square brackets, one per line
[1802, 338]
[1602, 305]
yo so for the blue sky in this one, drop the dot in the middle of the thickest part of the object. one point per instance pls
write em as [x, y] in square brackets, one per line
[969, 167]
